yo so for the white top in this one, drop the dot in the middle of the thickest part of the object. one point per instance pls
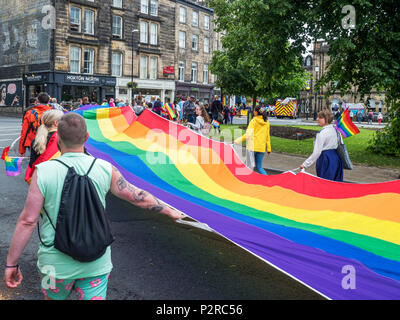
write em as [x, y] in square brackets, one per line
[326, 139]
[198, 125]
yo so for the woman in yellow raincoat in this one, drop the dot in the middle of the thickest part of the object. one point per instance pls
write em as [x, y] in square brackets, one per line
[258, 138]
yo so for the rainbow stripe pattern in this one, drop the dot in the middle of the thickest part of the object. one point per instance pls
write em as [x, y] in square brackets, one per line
[170, 110]
[345, 126]
[13, 164]
[342, 240]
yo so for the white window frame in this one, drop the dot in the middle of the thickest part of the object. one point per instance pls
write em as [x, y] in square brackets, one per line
[153, 4]
[77, 23]
[194, 73]
[182, 41]
[144, 67]
[144, 6]
[116, 67]
[144, 32]
[182, 14]
[195, 22]
[153, 68]
[73, 60]
[115, 26]
[205, 74]
[206, 22]
[88, 25]
[117, 3]
[206, 45]
[181, 72]
[195, 44]
[90, 68]
[153, 34]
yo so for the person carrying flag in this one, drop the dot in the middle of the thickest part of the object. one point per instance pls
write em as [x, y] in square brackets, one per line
[32, 122]
[329, 165]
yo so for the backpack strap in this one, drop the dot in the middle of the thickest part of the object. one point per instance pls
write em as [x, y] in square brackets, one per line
[38, 229]
[61, 162]
[91, 167]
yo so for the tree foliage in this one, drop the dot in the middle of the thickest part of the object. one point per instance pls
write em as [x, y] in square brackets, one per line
[263, 41]
[257, 58]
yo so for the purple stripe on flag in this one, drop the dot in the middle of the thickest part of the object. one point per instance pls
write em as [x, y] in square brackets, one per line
[321, 271]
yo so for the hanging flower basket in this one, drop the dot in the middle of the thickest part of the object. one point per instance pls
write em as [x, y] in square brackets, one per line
[132, 85]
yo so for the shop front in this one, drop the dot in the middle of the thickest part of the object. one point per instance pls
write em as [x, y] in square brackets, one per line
[69, 88]
[163, 89]
[201, 92]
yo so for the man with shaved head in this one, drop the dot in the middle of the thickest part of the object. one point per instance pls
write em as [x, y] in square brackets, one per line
[61, 273]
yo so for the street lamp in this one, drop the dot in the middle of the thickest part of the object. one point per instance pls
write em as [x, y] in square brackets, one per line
[315, 92]
[133, 41]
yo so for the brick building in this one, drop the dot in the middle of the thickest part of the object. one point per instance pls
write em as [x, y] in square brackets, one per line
[97, 48]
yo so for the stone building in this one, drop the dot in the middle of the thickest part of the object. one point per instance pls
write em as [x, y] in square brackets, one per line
[99, 49]
[194, 43]
[313, 101]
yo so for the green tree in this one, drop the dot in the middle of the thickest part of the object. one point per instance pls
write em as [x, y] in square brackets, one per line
[258, 58]
[364, 51]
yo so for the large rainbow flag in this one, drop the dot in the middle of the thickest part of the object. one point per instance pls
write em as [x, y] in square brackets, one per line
[341, 240]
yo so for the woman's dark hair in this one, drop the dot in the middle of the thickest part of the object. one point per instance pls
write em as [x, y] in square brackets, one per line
[262, 111]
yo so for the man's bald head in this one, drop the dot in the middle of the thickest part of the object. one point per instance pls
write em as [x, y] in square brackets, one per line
[72, 130]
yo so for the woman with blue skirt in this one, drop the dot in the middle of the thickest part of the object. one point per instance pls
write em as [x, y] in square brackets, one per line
[329, 165]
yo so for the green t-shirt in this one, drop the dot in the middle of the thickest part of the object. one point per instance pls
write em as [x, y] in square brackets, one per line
[51, 176]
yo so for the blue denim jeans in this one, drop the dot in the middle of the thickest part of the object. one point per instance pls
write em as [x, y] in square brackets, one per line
[259, 156]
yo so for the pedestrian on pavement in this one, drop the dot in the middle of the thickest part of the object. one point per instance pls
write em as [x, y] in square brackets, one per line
[189, 110]
[370, 117]
[359, 116]
[329, 165]
[88, 279]
[216, 109]
[258, 139]
[31, 122]
[380, 117]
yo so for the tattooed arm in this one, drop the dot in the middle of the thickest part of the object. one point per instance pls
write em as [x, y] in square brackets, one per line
[126, 191]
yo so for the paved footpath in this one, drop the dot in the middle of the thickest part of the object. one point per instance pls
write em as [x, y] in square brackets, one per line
[360, 173]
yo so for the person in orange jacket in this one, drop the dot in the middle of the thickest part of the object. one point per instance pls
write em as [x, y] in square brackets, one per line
[32, 121]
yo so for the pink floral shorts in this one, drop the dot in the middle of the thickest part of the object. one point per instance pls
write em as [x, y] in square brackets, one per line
[87, 289]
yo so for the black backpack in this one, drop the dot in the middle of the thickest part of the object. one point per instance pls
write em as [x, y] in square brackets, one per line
[83, 230]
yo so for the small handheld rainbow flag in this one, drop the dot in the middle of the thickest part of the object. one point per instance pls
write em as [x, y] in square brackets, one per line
[169, 108]
[13, 164]
[345, 126]
[215, 124]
